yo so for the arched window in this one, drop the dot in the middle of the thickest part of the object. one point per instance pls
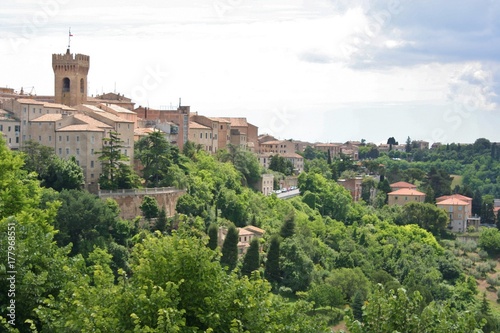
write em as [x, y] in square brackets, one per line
[66, 84]
[82, 86]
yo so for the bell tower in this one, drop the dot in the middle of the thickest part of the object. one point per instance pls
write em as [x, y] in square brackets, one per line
[70, 73]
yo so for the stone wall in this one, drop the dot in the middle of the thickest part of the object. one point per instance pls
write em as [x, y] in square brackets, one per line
[130, 200]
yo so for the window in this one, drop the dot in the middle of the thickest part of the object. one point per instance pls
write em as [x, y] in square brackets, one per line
[24, 122]
[24, 109]
[1, 127]
[78, 162]
[91, 175]
[201, 134]
[91, 164]
[39, 138]
[8, 129]
[92, 151]
[82, 86]
[17, 139]
[78, 151]
[66, 85]
[10, 140]
[60, 138]
[125, 152]
[67, 138]
[128, 126]
[67, 151]
[60, 151]
[50, 138]
[221, 126]
[17, 128]
[92, 139]
[77, 138]
[459, 207]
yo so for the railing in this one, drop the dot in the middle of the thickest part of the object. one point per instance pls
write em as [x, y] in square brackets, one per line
[143, 191]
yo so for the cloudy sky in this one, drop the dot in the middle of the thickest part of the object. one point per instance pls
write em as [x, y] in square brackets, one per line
[316, 70]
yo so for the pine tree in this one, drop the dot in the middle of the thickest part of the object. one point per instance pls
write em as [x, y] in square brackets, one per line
[213, 231]
[251, 262]
[357, 306]
[161, 221]
[288, 227]
[272, 268]
[429, 195]
[230, 248]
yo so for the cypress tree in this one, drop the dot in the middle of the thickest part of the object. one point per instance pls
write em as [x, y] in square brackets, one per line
[272, 268]
[161, 221]
[288, 227]
[251, 262]
[230, 248]
[357, 306]
[213, 231]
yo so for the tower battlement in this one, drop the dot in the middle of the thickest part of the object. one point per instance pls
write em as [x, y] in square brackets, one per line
[70, 61]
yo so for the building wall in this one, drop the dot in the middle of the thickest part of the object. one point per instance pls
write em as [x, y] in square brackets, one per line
[11, 132]
[202, 136]
[404, 199]
[180, 117]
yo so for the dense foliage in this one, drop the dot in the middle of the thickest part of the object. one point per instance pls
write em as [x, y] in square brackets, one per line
[81, 268]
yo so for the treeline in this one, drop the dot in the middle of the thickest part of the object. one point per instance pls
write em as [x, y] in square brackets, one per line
[322, 257]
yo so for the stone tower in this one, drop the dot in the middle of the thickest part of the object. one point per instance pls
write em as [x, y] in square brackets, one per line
[70, 72]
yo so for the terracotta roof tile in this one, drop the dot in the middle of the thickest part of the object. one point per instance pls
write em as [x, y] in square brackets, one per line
[452, 202]
[403, 185]
[195, 125]
[406, 191]
[51, 117]
[80, 128]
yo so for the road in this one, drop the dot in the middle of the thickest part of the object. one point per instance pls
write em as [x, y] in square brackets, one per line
[289, 194]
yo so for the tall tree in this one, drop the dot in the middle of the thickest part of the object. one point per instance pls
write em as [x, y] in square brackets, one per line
[272, 268]
[288, 227]
[408, 145]
[230, 248]
[251, 261]
[111, 158]
[37, 157]
[213, 232]
[439, 180]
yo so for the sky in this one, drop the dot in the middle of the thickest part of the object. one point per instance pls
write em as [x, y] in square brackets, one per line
[322, 70]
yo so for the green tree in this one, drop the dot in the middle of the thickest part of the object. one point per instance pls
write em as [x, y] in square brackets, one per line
[288, 227]
[149, 207]
[280, 164]
[403, 313]
[272, 267]
[296, 267]
[84, 220]
[487, 215]
[425, 215]
[213, 232]
[408, 145]
[111, 158]
[357, 306]
[37, 157]
[251, 261]
[63, 174]
[439, 180]
[230, 248]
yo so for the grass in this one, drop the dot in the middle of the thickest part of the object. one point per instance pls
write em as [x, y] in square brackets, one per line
[457, 180]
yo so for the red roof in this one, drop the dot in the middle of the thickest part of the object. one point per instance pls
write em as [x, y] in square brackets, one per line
[452, 202]
[454, 196]
[403, 185]
[406, 191]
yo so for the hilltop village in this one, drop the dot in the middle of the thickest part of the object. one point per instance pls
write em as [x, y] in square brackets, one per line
[215, 227]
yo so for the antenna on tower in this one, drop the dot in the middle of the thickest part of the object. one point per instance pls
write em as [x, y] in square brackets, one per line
[69, 38]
